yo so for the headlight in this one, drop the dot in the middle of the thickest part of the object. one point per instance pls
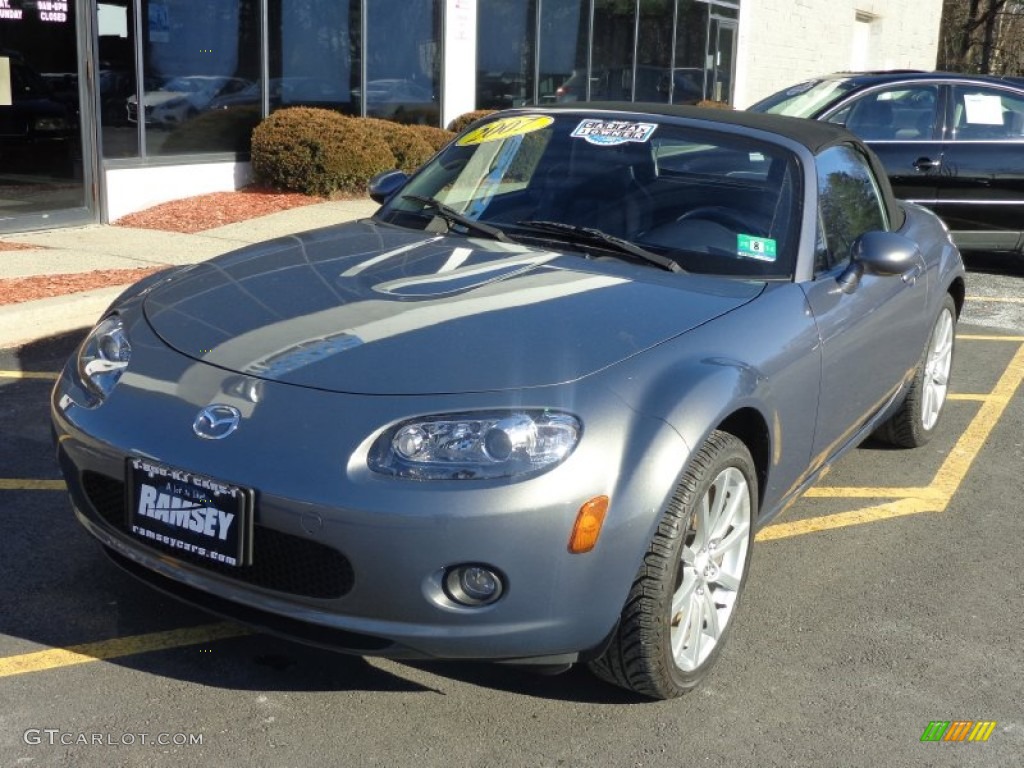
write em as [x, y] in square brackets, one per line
[476, 445]
[103, 356]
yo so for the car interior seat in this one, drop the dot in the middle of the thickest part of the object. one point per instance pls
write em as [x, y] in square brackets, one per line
[872, 119]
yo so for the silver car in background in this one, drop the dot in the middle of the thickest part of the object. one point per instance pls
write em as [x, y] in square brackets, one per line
[534, 410]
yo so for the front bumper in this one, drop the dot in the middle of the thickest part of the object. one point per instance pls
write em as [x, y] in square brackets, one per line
[352, 560]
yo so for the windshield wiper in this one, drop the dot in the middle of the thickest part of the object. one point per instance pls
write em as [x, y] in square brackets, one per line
[453, 217]
[611, 242]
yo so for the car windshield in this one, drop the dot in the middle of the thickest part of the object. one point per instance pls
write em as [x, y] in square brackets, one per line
[804, 100]
[712, 202]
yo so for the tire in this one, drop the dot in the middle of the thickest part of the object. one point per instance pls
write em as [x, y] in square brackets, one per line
[918, 416]
[666, 640]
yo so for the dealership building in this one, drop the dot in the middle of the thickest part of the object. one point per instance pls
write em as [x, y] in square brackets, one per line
[110, 107]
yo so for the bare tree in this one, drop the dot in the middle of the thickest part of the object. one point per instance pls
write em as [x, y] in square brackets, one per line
[982, 37]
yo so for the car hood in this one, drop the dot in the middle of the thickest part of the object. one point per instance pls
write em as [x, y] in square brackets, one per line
[374, 309]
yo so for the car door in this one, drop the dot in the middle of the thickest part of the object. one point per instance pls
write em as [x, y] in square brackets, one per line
[981, 187]
[871, 337]
[902, 123]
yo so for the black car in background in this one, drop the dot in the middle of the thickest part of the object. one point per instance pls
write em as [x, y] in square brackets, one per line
[954, 143]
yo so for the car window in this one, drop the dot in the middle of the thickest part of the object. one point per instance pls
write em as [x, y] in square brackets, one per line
[804, 99]
[987, 114]
[713, 202]
[849, 203]
[900, 113]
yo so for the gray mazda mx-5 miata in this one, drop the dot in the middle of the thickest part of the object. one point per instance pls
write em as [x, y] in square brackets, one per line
[534, 409]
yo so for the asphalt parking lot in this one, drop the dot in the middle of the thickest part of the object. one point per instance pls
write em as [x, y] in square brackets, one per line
[889, 597]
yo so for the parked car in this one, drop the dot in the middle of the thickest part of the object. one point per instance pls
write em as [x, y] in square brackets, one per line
[182, 98]
[393, 98]
[535, 408]
[954, 143]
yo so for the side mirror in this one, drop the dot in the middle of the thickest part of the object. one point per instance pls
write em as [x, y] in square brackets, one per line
[880, 253]
[384, 185]
[886, 253]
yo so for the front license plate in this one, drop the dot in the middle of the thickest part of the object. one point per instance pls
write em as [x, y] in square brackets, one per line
[195, 514]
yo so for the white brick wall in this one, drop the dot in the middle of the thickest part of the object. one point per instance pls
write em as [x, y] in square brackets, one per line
[782, 42]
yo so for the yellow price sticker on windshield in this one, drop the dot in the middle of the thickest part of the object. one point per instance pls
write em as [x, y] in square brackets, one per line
[505, 128]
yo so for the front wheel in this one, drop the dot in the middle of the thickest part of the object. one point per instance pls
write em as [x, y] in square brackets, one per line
[914, 423]
[685, 594]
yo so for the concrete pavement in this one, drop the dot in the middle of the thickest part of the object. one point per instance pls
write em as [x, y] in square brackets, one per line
[85, 249]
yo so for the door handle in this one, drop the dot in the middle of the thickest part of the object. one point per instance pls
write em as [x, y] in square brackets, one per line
[926, 163]
[910, 276]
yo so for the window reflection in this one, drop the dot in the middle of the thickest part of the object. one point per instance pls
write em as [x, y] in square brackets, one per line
[315, 54]
[199, 57]
[116, 38]
[505, 45]
[403, 67]
[564, 26]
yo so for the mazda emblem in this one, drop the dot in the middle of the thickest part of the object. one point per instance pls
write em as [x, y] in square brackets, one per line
[215, 422]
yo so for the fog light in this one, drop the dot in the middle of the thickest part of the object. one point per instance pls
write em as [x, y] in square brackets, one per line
[473, 585]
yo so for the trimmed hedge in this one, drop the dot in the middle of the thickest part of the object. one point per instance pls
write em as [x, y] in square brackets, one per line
[318, 151]
[410, 149]
[459, 123]
[437, 138]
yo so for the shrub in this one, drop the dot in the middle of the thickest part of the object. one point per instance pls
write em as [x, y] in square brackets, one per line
[317, 151]
[459, 123]
[713, 104]
[437, 138]
[410, 149]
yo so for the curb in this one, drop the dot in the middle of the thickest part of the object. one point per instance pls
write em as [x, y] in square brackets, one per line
[29, 321]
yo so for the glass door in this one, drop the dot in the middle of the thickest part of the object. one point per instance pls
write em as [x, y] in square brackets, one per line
[43, 182]
[723, 56]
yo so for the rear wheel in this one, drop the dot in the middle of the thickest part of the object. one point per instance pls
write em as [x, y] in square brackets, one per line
[685, 594]
[914, 423]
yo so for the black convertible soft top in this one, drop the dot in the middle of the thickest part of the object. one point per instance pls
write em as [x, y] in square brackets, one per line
[812, 134]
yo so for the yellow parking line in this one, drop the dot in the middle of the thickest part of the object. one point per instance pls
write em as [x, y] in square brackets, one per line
[911, 501]
[26, 484]
[971, 398]
[986, 337]
[959, 460]
[827, 492]
[117, 647]
[995, 299]
[892, 509]
[48, 375]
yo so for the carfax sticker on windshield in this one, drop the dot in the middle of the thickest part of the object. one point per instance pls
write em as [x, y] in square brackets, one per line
[608, 133]
[760, 248]
[505, 128]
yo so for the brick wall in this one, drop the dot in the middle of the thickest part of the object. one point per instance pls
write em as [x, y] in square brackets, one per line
[782, 42]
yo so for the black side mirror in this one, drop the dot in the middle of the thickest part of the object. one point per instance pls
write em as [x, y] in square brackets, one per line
[384, 185]
[881, 253]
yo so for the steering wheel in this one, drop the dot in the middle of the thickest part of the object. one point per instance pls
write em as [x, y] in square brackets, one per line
[729, 218]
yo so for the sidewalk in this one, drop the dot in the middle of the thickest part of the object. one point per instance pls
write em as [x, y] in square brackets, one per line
[85, 249]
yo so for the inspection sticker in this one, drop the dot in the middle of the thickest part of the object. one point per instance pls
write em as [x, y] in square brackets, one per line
[760, 248]
[505, 128]
[608, 133]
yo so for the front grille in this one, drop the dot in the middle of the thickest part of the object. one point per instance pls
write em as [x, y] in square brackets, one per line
[281, 561]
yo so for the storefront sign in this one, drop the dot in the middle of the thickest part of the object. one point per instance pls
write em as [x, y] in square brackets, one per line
[51, 11]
